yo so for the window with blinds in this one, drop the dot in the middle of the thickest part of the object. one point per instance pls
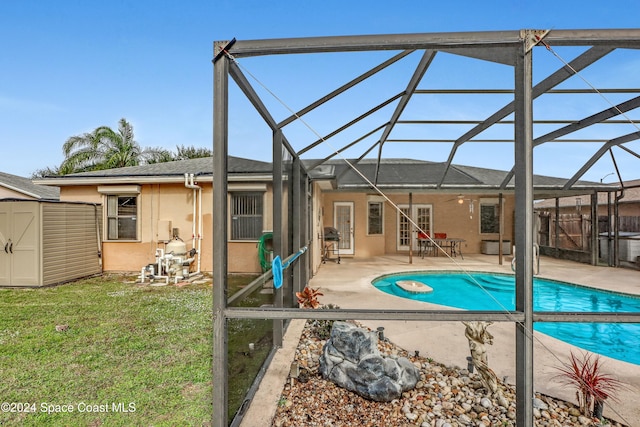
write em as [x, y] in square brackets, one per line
[246, 215]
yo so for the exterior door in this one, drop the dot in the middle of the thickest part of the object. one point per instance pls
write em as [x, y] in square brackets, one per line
[5, 259]
[24, 244]
[421, 215]
[19, 237]
[343, 222]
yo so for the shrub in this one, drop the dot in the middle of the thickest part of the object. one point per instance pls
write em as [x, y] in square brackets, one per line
[593, 386]
[308, 298]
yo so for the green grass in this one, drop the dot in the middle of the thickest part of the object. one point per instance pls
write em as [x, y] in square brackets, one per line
[143, 348]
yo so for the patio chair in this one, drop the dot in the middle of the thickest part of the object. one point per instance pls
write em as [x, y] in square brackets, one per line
[425, 244]
[441, 240]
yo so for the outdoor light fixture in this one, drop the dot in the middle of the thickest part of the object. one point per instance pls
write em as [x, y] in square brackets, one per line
[610, 173]
[460, 201]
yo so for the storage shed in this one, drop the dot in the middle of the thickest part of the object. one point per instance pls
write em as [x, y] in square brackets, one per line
[48, 242]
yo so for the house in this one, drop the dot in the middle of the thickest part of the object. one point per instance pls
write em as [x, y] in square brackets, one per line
[628, 204]
[146, 207]
[17, 187]
[464, 204]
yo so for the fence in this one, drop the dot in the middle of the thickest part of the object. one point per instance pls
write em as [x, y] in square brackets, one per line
[574, 230]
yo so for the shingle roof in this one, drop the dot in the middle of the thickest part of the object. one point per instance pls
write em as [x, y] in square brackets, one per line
[200, 166]
[393, 173]
[402, 172]
[631, 195]
[409, 173]
[28, 188]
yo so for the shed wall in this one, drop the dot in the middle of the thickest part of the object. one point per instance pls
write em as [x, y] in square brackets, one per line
[70, 245]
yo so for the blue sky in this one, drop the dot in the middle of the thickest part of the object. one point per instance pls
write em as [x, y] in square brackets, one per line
[70, 66]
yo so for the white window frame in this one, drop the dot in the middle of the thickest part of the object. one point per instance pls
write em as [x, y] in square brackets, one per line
[108, 191]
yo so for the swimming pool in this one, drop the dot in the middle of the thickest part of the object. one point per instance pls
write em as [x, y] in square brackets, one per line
[454, 289]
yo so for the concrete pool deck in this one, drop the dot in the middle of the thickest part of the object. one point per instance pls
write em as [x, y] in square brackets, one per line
[348, 285]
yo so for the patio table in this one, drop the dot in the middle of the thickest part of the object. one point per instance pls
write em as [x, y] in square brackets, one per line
[454, 244]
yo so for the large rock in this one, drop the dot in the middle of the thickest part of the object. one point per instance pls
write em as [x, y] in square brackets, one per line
[351, 359]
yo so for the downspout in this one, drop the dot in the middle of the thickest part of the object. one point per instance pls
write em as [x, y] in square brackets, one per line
[197, 195]
[199, 225]
[98, 240]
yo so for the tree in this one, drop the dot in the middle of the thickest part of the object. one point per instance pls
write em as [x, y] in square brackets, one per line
[105, 148]
[101, 149]
[184, 153]
[158, 155]
[49, 171]
[161, 155]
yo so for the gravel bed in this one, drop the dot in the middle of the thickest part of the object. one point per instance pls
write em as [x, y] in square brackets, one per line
[444, 397]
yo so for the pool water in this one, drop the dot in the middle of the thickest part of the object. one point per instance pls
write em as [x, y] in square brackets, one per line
[453, 289]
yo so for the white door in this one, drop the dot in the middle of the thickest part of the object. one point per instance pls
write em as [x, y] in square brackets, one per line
[343, 222]
[421, 215]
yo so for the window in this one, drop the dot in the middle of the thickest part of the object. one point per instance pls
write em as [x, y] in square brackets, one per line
[122, 214]
[489, 216]
[246, 215]
[374, 223]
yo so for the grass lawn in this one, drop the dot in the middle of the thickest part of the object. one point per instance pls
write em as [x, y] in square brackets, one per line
[132, 355]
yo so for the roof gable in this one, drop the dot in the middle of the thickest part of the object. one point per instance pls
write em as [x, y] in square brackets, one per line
[28, 188]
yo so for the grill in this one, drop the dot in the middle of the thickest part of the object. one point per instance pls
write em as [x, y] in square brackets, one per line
[331, 245]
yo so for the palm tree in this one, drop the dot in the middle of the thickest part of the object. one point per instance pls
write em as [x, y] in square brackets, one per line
[103, 148]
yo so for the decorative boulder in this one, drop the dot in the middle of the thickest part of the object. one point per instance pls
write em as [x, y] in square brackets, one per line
[351, 359]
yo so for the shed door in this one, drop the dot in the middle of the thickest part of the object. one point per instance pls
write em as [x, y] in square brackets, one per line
[25, 233]
[5, 259]
[19, 237]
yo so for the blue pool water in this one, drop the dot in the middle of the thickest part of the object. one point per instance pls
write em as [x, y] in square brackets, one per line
[617, 340]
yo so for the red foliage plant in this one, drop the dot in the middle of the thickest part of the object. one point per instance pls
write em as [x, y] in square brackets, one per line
[593, 387]
[308, 298]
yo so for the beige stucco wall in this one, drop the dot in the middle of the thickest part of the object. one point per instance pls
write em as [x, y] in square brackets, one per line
[166, 202]
[447, 217]
[172, 202]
